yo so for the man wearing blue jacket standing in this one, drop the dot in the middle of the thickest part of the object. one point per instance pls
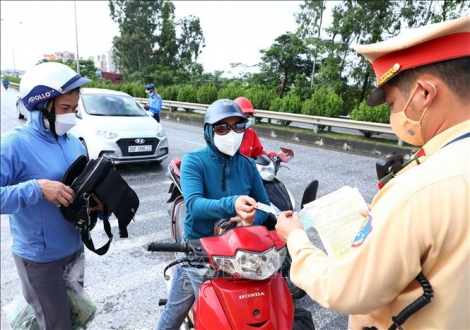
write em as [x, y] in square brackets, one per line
[218, 182]
[33, 159]
[155, 101]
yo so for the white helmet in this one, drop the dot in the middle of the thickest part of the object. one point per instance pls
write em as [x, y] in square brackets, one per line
[46, 81]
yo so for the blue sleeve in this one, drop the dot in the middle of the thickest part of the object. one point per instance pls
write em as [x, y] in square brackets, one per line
[15, 196]
[155, 103]
[258, 192]
[192, 184]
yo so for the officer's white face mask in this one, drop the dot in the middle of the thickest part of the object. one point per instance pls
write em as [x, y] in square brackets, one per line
[228, 143]
[63, 123]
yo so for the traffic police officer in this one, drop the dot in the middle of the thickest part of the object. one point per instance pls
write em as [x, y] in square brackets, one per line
[155, 101]
[418, 223]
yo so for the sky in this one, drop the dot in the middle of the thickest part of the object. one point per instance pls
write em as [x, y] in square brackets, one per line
[234, 31]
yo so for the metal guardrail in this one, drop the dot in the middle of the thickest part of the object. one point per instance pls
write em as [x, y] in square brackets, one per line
[315, 121]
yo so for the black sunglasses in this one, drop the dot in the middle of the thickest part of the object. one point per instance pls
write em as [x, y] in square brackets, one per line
[222, 129]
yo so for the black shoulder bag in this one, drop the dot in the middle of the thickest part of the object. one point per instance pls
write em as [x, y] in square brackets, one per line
[100, 177]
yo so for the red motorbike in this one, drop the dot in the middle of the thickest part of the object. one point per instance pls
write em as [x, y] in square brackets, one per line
[280, 197]
[251, 292]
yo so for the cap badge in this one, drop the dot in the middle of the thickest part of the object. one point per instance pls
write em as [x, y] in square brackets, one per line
[387, 75]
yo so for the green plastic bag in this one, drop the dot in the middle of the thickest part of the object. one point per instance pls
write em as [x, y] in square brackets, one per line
[82, 311]
[23, 318]
[82, 308]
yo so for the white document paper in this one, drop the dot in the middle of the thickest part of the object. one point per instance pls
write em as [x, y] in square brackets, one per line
[336, 218]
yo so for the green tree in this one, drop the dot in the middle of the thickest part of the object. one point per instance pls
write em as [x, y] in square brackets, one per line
[310, 20]
[286, 58]
[290, 103]
[230, 90]
[207, 94]
[137, 22]
[149, 47]
[323, 103]
[191, 42]
[433, 11]
[378, 114]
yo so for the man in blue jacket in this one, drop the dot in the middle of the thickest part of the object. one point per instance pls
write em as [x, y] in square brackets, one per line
[34, 158]
[218, 182]
[155, 101]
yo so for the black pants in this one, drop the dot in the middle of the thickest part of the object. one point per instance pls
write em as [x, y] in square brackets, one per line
[156, 116]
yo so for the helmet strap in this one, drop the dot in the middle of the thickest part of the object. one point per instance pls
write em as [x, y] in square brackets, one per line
[50, 116]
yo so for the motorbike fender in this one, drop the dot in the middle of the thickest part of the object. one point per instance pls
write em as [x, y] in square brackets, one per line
[177, 219]
[174, 191]
[279, 195]
[244, 304]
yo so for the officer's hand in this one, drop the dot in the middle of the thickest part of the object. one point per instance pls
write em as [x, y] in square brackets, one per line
[365, 212]
[146, 107]
[245, 208]
[287, 222]
[56, 192]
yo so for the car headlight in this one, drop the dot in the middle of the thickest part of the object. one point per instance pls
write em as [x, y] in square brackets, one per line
[252, 265]
[161, 132]
[104, 133]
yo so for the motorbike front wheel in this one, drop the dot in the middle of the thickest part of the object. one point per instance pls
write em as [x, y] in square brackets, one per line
[294, 290]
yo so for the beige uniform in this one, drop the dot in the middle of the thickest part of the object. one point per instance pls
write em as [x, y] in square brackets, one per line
[420, 223]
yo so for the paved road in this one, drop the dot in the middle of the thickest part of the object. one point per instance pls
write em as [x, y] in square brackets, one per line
[127, 282]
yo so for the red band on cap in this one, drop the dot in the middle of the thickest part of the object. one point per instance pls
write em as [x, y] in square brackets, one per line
[445, 48]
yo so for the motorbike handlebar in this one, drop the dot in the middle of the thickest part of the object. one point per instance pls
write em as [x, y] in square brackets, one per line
[168, 247]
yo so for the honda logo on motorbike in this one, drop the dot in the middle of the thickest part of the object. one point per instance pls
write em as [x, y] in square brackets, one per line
[251, 295]
[139, 141]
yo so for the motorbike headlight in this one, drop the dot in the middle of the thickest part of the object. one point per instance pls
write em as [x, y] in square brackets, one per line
[161, 132]
[266, 171]
[252, 265]
[104, 133]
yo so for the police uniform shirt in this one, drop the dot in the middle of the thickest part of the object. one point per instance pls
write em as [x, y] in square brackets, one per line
[419, 222]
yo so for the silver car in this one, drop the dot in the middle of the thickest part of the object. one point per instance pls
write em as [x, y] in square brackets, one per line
[112, 124]
[22, 111]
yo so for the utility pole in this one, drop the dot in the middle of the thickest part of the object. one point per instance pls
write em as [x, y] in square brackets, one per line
[12, 35]
[76, 36]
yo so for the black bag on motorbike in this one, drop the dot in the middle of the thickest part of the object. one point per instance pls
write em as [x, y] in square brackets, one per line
[98, 176]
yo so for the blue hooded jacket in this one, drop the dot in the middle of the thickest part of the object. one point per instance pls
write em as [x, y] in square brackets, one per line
[211, 182]
[29, 153]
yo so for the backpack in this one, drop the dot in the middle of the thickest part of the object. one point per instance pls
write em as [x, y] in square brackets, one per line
[100, 177]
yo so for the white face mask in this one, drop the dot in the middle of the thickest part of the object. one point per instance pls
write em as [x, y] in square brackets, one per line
[228, 143]
[250, 122]
[63, 123]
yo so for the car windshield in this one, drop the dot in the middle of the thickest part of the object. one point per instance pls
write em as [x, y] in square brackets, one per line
[111, 105]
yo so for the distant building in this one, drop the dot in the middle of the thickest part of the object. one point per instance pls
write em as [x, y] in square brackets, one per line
[60, 56]
[115, 77]
[105, 63]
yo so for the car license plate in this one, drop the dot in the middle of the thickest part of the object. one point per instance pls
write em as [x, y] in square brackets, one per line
[140, 148]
